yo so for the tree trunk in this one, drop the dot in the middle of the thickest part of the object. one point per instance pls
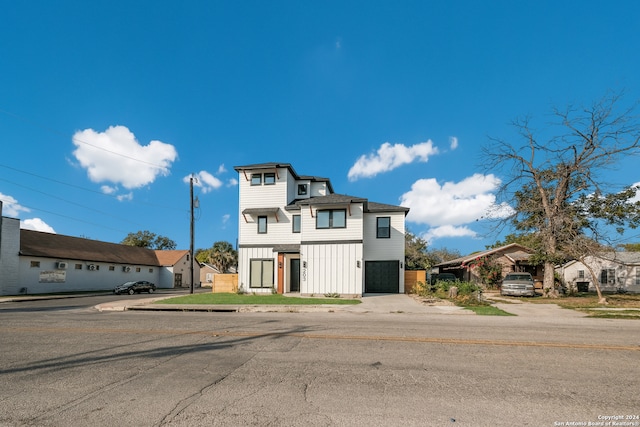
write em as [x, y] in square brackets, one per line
[596, 283]
[548, 286]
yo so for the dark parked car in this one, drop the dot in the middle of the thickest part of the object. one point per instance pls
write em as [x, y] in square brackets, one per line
[518, 284]
[135, 287]
[443, 277]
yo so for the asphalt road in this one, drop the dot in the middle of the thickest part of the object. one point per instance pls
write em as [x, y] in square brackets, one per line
[65, 364]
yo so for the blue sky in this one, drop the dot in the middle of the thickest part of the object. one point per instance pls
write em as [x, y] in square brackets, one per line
[390, 100]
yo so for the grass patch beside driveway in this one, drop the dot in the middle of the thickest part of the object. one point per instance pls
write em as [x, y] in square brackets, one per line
[488, 310]
[250, 299]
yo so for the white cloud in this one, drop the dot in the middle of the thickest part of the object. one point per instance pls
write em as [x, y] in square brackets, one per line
[11, 207]
[637, 196]
[116, 156]
[453, 142]
[449, 206]
[389, 157]
[36, 224]
[123, 197]
[221, 169]
[205, 181]
[232, 182]
[448, 231]
[107, 189]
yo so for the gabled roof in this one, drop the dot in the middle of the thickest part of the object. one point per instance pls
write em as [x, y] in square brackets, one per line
[515, 252]
[39, 244]
[170, 257]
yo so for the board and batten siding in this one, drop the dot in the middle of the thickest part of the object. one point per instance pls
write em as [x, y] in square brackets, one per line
[245, 255]
[331, 268]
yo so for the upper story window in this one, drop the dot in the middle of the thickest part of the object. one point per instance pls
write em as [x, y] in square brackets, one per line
[303, 189]
[262, 225]
[383, 227]
[296, 224]
[256, 179]
[334, 218]
[269, 178]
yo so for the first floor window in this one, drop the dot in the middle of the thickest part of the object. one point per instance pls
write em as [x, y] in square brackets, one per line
[383, 227]
[35, 264]
[336, 218]
[580, 274]
[607, 276]
[261, 273]
[262, 225]
[637, 275]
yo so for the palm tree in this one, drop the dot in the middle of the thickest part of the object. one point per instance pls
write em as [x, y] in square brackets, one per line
[223, 256]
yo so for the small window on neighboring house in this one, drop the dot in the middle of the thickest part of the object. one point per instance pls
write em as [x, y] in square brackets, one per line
[256, 178]
[383, 224]
[296, 224]
[35, 263]
[112, 268]
[269, 178]
[580, 274]
[137, 269]
[637, 275]
[151, 270]
[262, 225]
[331, 218]
[302, 189]
[78, 267]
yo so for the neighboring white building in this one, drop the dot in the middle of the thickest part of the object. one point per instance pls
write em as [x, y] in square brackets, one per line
[33, 262]
[297, 235]
[615, 270]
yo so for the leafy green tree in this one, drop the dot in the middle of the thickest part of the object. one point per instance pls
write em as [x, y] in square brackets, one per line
[417, 255]
[147, 239]
[415, 252]
[629, 247]
[202, 255]
[554, 184]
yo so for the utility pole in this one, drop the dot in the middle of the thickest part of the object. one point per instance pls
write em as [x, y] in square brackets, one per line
[192, 232]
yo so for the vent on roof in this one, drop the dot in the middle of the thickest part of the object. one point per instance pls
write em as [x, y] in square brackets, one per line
[61, 265]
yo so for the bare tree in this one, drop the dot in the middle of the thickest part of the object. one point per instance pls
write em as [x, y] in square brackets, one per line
[554, 183]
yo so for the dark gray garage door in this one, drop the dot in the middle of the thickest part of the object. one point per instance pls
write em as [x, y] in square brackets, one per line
[381, 277]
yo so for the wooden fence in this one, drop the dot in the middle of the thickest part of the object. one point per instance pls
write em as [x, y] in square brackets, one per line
[224, 283]
[412, 277]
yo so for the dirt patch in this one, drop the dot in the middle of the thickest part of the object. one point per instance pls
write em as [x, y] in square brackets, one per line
[431, 301]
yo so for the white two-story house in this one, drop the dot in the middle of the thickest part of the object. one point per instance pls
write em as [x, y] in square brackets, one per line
[297, 236]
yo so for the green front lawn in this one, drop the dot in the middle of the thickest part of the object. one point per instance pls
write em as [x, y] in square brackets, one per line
[243, 299]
